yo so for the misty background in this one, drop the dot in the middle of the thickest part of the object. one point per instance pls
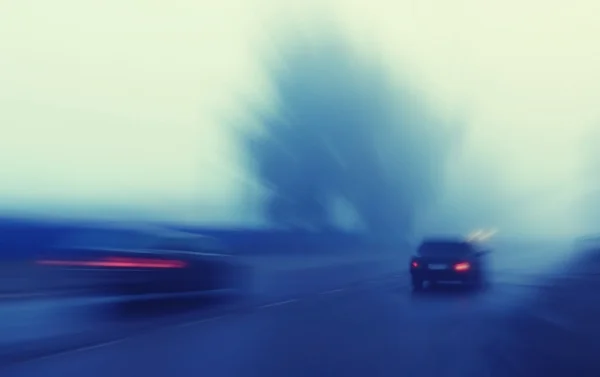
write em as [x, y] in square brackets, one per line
[104, 119]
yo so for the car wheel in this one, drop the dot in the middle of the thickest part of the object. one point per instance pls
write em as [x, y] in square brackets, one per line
[417, 284]
[478, 283]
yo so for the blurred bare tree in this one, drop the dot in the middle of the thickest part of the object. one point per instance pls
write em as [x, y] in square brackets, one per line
[342, 128]
[590, 201]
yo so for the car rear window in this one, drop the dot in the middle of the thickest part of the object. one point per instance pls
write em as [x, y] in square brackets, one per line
[432, 248]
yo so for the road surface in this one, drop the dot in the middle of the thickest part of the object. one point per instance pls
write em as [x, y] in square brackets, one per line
[520, 326]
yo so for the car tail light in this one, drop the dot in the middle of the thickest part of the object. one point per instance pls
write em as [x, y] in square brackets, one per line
[463, 266]
[414, 264]
[117, 262]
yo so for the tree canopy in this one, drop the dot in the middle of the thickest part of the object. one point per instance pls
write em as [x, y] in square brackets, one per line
[342, 127]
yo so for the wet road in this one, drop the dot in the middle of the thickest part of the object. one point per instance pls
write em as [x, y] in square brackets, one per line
[373, 329]
[376, 329]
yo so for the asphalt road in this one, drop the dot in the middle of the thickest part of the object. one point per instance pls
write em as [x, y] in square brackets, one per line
[522, 326]
[377, 329]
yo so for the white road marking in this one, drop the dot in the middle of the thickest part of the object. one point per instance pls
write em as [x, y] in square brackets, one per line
[177, 325]
[80, 349]
[279, 303]
[117, 341]
[123, 339]
[197, 322]
[332, 291]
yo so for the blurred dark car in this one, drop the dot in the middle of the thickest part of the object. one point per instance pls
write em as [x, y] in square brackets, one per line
[142, 262]
[444, 260]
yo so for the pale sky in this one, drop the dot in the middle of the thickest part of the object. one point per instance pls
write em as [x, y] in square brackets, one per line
[122, 103]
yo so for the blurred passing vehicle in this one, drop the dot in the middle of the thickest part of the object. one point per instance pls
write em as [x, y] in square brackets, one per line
[444, 260]
[141, 262]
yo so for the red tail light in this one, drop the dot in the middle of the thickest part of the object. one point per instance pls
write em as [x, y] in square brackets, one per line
[117, 262]
[415, 264]
[464, 266]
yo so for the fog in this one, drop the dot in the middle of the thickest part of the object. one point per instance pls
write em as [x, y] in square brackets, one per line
[125, 108]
